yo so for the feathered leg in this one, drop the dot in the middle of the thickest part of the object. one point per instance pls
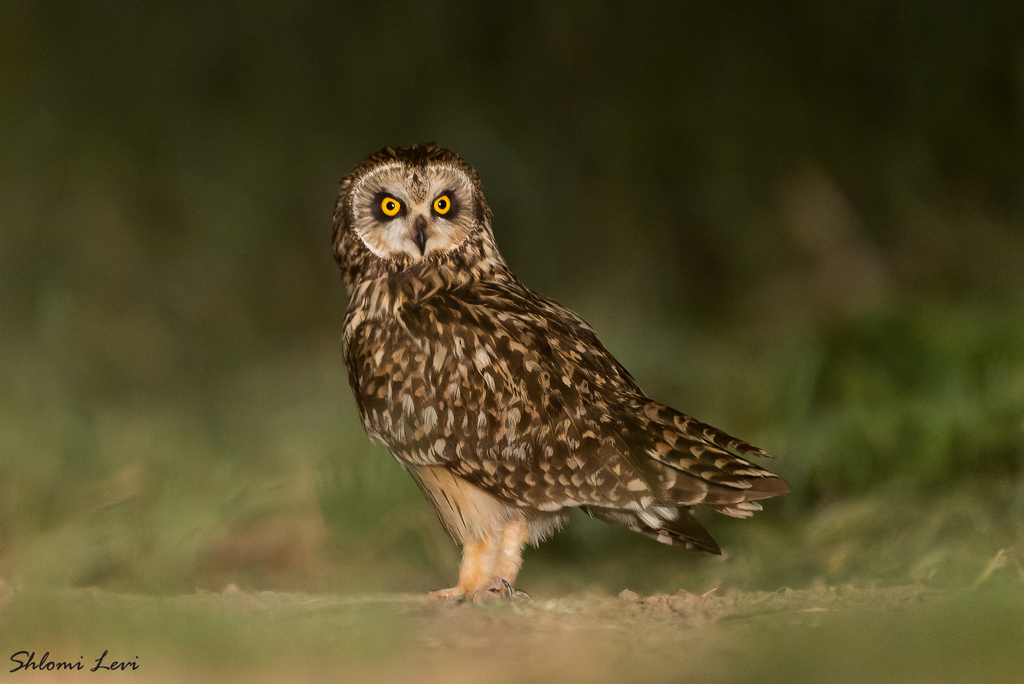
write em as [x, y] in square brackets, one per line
[476, 572]
[489, 565]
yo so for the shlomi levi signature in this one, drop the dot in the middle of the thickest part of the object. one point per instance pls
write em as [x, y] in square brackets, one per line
[27, 661]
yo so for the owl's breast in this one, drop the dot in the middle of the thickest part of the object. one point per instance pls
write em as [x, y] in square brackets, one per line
[435, 386]
[391, 381]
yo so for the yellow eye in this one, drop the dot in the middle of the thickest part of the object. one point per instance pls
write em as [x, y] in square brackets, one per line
[390, 206]
[442, 205]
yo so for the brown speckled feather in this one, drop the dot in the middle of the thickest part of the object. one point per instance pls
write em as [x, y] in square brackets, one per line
[455, 364]
[574, 428]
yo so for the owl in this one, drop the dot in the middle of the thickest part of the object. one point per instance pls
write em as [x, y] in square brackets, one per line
[501, 403]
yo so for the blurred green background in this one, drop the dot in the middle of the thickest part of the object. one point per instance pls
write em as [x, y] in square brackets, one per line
[802, 222]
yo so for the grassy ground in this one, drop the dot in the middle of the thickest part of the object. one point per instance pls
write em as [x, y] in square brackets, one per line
[899, 634]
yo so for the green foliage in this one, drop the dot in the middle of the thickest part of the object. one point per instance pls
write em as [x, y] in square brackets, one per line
[932, 397]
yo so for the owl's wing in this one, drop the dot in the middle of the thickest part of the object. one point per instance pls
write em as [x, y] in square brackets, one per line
[710, 460]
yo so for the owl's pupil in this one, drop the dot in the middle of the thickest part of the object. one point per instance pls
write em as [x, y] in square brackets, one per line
[441, 204]
[391, 206]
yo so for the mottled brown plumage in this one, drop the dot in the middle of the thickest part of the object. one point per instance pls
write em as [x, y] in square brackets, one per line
[500, 402]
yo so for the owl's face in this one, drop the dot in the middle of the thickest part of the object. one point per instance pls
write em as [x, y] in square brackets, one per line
[400, 209]
[406, 206]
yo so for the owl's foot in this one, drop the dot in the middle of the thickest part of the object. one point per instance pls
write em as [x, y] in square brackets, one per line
[446, 595]
[498, 589]
[489, 566]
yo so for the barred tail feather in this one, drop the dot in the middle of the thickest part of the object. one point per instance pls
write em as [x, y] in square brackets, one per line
[673, 526]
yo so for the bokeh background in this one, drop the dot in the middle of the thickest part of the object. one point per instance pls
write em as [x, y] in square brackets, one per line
[802, 222]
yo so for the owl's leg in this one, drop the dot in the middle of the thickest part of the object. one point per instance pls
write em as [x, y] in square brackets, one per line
[476, 572]
[510, 556]
[509, 560]
[489, 565]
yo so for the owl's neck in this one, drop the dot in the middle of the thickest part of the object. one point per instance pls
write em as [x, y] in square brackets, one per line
[383, 286]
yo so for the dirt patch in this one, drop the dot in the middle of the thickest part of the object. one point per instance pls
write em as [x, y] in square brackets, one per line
[275, 636]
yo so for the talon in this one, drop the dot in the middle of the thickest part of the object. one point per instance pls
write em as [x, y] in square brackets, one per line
[508, 591]
[499, 588]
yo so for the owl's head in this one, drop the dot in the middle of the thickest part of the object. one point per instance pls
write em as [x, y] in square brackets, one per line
[406, 207]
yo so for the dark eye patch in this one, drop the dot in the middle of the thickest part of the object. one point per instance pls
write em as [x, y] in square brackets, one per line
[453, 204]
[377, 206]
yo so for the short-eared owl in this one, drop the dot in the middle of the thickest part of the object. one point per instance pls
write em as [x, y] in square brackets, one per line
[500, 402]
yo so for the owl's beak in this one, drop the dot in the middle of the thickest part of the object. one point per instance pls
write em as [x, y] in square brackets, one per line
[420, 224]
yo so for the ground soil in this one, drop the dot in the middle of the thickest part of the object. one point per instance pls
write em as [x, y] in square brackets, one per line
[822, 634]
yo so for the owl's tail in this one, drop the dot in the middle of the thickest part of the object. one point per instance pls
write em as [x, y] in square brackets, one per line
[686, 463]
[672, 526]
